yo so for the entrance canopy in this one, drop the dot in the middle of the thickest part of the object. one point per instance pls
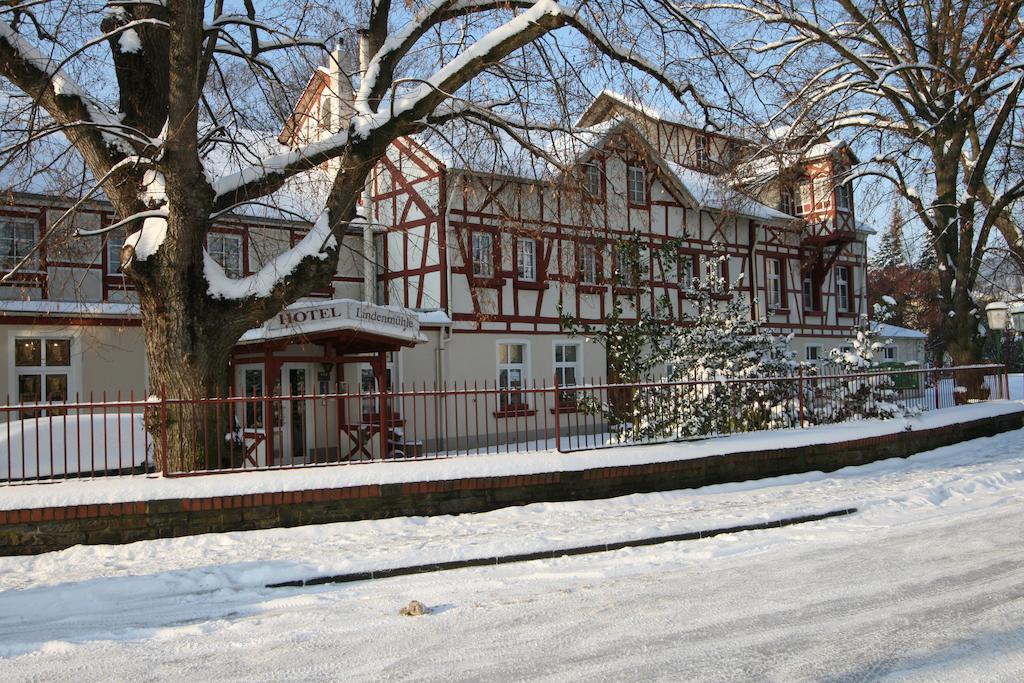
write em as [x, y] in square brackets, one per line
[363, 327]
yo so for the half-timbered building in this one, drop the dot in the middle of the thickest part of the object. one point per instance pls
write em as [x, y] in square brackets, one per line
[468, 256]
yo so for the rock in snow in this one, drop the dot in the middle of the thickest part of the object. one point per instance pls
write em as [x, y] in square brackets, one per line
[414, 609]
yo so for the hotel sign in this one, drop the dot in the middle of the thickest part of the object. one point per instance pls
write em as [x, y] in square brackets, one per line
[345, 314]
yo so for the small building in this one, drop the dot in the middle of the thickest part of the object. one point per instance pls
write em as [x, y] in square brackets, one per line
[901, 345]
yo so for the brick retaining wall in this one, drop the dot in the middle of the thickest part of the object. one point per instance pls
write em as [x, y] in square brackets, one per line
[37, 530]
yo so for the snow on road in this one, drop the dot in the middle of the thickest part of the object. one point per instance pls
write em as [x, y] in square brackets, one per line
[926, 582]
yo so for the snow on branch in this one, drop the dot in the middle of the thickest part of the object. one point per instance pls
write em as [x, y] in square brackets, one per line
[316, 244]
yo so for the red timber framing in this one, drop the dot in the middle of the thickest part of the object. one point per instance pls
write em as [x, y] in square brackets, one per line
[494, 205]
[564, 220]
[415, 232]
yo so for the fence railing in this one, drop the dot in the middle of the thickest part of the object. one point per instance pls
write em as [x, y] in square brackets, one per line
[179, 436]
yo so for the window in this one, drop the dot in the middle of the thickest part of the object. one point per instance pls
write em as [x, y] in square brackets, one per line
[625, 267]
[811, 300]
[717, 269]
[380, 268]
[483, 254]
[843, 288]
[526, 259]
[802, 197]
[227, 251]
[889, 353]
[252, 385]
[822, 193]
[701, 154]
[588, 264]
[636, 185]
[812, 354]
[42, 368]
[567, 370]
[17, 238]
[512, 375]
[843, 197]
[369, 404]
[592, 183]
[774, 270]
[787, 201]
[114, 245]
[687, 271]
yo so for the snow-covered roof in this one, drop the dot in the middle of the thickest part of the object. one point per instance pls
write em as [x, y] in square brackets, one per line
[676, 116]
[712, 192]
[69, 308]
[892, 331]
[866, 228]
[316, 316]
[433, 317]
[766, 167]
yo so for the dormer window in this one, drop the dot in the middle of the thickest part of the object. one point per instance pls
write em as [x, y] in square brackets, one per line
[636, 185]
[592, 180]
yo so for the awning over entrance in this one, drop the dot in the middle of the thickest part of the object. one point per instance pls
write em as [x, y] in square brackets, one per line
[364, 327]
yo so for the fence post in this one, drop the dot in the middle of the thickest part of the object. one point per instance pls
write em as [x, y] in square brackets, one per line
[1006, 374]
[558, 416]
[938, 376]
[800, 391]
[163, 429]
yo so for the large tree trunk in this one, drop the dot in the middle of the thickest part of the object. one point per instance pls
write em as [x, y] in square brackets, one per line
[188, 347]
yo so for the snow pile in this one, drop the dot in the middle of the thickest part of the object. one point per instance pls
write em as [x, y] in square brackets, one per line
[73, 444]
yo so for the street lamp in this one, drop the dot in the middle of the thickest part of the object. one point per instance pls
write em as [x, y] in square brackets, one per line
[1017, 315]
[998, 314]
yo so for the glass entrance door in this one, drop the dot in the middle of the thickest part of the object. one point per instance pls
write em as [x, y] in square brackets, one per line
[297, 418]
[294, 437]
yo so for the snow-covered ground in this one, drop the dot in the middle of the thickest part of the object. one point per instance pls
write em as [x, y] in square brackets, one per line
[926, 582]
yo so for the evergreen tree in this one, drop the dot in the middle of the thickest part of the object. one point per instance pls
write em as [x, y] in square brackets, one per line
[890, 252]
[870, 392]
[927, 261]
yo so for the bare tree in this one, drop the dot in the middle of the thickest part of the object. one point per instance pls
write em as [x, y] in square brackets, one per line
[142, 100]
[930, 94]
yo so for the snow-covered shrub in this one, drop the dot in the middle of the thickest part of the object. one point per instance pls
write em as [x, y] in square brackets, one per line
[709, 353]
[872, 392]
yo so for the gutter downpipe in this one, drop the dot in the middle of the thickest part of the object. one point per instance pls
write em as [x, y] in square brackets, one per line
[369, 258]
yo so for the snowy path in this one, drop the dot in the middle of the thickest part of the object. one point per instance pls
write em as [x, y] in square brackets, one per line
[927, 581]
